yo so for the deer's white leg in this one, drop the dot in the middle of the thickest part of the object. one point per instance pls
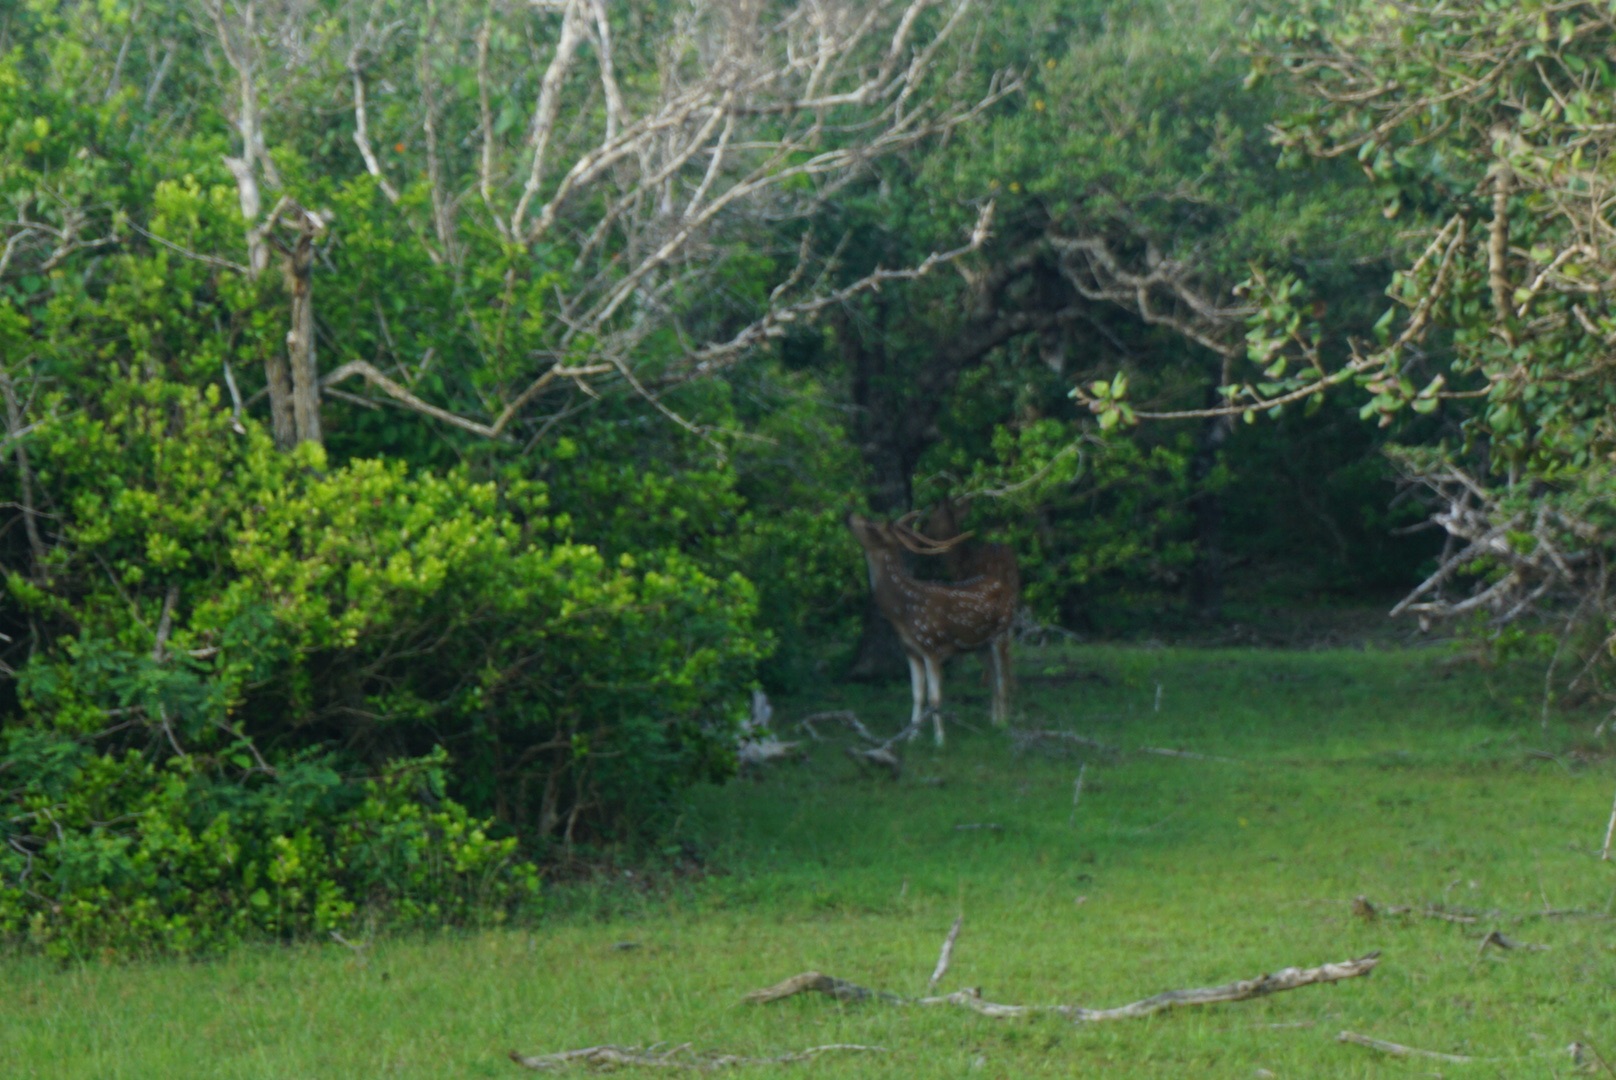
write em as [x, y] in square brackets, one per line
[917, 689]
[1000, 653]
[934, 696]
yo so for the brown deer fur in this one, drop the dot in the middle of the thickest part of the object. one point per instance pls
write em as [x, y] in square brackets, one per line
[936, 620]
[968, 560]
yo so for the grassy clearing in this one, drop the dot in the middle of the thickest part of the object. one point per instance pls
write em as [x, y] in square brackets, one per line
[1396, 775]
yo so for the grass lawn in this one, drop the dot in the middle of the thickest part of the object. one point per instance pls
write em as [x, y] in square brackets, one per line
[1398, 775]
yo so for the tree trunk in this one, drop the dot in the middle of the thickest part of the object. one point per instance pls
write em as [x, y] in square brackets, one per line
[878, 428]
[305, 375]
[1206, 572]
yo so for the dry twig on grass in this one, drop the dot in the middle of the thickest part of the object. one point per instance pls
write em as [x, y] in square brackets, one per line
[945, 955]
[1287, 979]
[679, 1057]
[1610, 831]
[846, 717]
[1362, 908]
[1023, 740]
[880, 757]
[1498, 940]
[1162, 751]
[1397, 1049]
[755, 754]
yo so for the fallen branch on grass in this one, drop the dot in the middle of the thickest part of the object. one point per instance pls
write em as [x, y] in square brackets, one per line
[1362, 908]
[1077, 788]
[845, 717]
[755, 755]
[1261, 986]
[1558, 913]
[1023, 740]
[1397, 1049]
[946, 955]
[1610, 832]
[840, 989]
[679, 1057]
[880, 757]
[1163, 751]
[1498, 940]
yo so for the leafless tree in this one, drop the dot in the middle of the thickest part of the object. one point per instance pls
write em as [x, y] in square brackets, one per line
[622, 158]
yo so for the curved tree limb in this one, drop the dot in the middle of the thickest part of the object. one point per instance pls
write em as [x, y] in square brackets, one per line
[1290, 978]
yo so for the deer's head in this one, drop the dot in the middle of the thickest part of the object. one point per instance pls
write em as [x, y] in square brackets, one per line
[891, 536]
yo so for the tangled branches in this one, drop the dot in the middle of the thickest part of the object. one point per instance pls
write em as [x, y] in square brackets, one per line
[1521, 553]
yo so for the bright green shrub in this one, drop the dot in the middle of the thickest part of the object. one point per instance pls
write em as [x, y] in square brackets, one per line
[230, 639]
[113, 851]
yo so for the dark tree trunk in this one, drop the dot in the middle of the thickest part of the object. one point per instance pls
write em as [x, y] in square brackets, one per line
[1206, 572]
[881, 429]
[305, 375]
[278, 380]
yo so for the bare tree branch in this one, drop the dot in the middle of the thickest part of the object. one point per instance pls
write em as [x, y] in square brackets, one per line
[1244, 990]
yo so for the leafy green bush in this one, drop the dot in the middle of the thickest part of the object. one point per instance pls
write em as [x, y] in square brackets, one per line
[121, 851]
[229, 640]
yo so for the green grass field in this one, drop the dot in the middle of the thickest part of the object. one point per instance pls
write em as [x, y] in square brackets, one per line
[1403, 776]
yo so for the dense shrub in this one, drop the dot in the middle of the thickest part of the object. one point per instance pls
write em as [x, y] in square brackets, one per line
[229, 639]
[128, 851]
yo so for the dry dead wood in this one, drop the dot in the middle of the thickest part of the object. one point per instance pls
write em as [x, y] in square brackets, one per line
[1287, 979]
[945, 955]
[758, 745]
[1610, 831]
[1162, 751]
[846, 717]
[1024, 740]
[814, 981]
[1498, 940]
[882, 755]
[1077, 788]
[1362, 908]
[756, 754]
[1397, 1049]
[679, 1057]
[879, 757]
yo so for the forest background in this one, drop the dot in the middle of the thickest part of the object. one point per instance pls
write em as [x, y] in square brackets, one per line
[426, 424]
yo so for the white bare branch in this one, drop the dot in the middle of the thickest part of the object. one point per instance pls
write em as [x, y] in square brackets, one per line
[1291, 978]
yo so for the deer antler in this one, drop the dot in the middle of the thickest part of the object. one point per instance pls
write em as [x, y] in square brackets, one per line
[925, 545]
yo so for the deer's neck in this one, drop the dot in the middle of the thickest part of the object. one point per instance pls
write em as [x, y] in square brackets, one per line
[887, 578]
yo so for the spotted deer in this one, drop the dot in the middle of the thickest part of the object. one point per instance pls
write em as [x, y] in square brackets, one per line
[935, 619]
[968, 560]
